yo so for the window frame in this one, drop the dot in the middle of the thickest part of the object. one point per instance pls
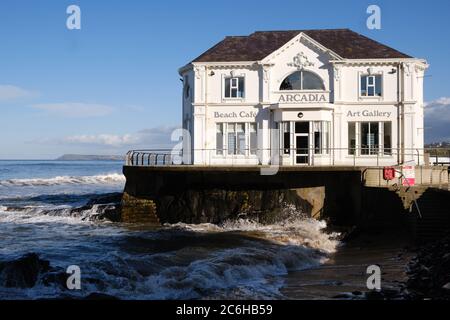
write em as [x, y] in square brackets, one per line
[235, 87]
[381, 151]
[368, 76]
[236, 134]
[301, 81]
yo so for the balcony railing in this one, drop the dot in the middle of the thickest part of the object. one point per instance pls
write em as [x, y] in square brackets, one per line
[287, 156]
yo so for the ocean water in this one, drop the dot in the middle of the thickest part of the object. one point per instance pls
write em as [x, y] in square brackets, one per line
[39, 213]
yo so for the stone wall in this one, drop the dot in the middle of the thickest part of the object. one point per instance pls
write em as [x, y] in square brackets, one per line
[196, 195]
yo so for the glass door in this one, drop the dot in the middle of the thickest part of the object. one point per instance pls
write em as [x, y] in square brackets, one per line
[302, 142]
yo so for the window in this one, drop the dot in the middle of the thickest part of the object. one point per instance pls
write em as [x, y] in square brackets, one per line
[231, 138]
[302, 80]
[286, 137]
[369, 138]
[321, 137]
[387, 141]
[234, 87]
[374, 138]
[253, 139]
[351, 138]
[370, 86]
[219, 138]
[302, 127]
[241, 138]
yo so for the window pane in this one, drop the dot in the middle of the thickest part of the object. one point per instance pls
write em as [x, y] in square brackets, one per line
[234, 93]
[378, 90]
[292, 82]
[326, 137]
[365, 139]
[317, 137]
[302, 127]
[241, 143]
[227, 88]
[312, 81]
[241, 87]
[231, 143]
[363, 85]
[370, 80]
[369, 138]
[286, 138]
[387, 138]
[253, 138]
[351, 137]
[374, 137]
[240, 129]
[219, 138]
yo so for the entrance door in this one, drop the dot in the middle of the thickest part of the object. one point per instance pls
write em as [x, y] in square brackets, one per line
[302, 142]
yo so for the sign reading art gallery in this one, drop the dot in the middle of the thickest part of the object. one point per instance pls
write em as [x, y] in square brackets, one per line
[369, 113]
[303, 98]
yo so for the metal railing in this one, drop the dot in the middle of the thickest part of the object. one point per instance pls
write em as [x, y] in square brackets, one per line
[149, 157]
[291, 156]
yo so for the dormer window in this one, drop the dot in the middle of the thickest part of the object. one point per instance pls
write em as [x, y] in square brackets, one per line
[234, 87]
[371, 86]
[302, 80]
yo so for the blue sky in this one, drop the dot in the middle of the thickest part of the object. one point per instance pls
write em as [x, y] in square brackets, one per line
[113, 85]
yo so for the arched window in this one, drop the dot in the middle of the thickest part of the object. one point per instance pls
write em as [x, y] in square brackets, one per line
[302, 80]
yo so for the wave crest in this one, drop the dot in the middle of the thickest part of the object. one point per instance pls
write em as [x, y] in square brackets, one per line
[111, 178]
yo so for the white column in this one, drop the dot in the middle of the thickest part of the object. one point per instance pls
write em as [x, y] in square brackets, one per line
[199, 129]
[409, 134]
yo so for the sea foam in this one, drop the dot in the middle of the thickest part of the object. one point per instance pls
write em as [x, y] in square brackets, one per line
[111, 178]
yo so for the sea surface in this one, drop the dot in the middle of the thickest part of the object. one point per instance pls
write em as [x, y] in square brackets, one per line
[239, 259]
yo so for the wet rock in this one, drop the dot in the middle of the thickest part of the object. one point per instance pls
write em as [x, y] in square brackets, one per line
[429, 272]
[100, 296]
[109, 198]
[58, 278]
[23, 272]
[385, 294]
[106, 212]
[217, 205]
[341, 296]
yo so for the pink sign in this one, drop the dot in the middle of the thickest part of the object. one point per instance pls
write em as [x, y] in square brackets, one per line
[409, 176]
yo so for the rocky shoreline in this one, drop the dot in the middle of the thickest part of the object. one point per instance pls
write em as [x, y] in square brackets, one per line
[429, 271]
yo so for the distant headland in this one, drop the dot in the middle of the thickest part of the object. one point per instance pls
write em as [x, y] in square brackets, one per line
[83, 157]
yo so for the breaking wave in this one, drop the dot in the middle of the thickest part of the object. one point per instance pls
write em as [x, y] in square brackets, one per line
[112, 178]
[240, 259]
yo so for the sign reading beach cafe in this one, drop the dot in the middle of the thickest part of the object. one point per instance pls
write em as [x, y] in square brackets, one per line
[311, 97]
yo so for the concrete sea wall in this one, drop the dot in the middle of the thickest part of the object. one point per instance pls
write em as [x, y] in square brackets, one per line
[197, 195]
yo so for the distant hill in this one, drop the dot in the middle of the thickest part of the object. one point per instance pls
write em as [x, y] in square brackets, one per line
[83, 157]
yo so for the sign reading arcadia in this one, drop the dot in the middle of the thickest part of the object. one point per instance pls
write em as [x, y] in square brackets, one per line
[302, 98]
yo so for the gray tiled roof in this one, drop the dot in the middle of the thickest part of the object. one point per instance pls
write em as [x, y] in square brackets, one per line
[346, 43]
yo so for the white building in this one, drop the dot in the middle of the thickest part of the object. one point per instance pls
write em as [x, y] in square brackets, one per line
[314, 97]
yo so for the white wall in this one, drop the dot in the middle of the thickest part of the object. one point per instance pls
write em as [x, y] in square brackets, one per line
[342, 88]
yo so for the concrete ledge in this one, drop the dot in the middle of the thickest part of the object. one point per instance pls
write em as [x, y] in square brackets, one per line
[250, 168]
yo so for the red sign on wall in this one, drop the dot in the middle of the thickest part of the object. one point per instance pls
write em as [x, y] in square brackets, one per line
[388, 173]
